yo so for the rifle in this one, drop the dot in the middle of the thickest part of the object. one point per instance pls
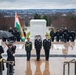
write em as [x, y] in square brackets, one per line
[12, 49]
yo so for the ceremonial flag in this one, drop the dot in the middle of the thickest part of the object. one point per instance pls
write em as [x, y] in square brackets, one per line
[19, 27]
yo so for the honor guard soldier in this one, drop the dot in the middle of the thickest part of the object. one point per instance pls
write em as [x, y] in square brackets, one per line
[1, 60]
[10, 57]
[46, 46]
[28, 48]
[38, 46]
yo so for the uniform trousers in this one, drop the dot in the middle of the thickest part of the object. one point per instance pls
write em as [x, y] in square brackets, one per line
[38, 54]
[47, 52]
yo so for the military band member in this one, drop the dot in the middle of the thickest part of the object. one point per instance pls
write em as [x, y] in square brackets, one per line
[46, 46]
[28, 48]
[38, 46]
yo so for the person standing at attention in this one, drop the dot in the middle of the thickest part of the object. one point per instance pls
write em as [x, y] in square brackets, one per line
[38, 46]
[46, 46]
[28, 48]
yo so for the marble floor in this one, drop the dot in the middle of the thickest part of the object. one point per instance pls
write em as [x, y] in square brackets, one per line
[52, 67]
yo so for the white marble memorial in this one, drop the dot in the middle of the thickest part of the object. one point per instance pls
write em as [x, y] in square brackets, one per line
[37, 27]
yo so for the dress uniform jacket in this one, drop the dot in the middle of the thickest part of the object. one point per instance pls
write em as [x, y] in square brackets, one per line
[10, 56]
[46, 44]
[38, 44]
[28, 46]
[1, 65]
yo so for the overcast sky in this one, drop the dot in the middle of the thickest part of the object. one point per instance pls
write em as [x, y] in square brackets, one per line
[37, 4]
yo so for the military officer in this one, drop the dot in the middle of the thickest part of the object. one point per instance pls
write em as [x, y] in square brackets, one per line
[28, 48]
[38, 46]
[46, 46]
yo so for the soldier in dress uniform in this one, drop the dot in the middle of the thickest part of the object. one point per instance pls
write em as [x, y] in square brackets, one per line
[38, 46]
[1, 60]
[10, 57]
[28, 48]
[46, 46]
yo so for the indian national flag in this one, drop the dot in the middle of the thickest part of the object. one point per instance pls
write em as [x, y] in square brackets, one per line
[19, 27]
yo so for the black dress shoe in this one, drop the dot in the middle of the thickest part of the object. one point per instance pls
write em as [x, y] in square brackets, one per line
[28, 59]
[38, 60]
[47, 59]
